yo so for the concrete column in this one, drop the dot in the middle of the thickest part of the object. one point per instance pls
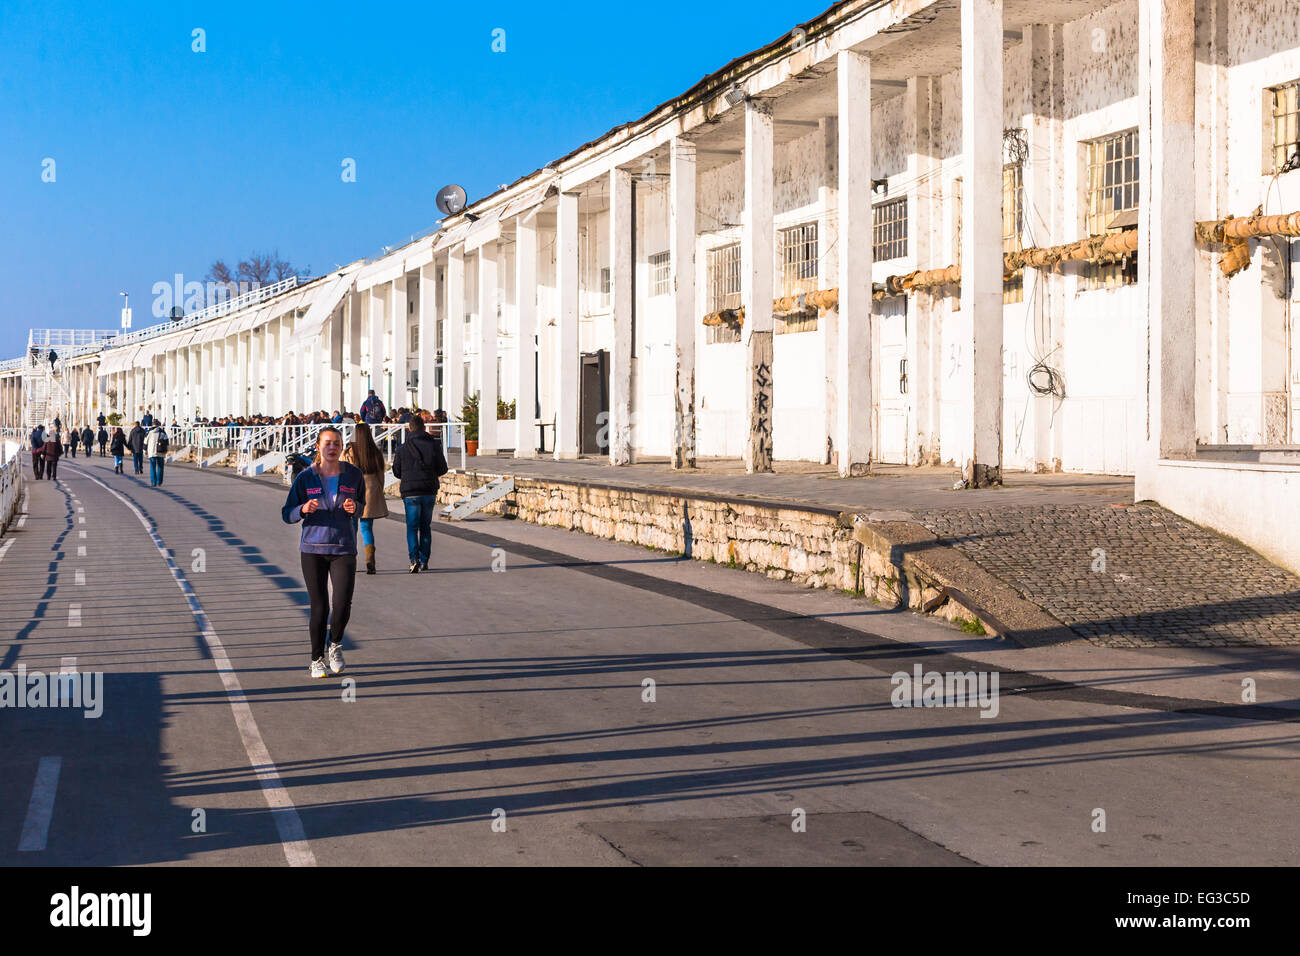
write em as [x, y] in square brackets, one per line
[1166, 223]
[568, 382]
[622, 285]
[853, 359]
[301, 394]
[526, 353]
[355, 394]
[279, 384]
[240, 374]
[453, 353]
[334, 388]
[828, 222]
[377, 294]
[757, 264]
[1212, 196]
[681, 248]
[428, 351]
[487, 349]
[400, 316]
[926, 210]
[981, 252]
[1044, 189]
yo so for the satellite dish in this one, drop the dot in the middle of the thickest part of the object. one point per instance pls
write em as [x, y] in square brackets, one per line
[177, 313]
[451, 200]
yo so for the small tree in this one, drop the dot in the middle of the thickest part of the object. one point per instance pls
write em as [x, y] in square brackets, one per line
[505, 410]
[469, 414]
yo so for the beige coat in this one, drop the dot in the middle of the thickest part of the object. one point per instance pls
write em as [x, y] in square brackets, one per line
[376, 506]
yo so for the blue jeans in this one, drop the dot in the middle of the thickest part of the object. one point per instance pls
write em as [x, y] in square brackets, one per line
[155, 471]
[419, 526]
[368, 532]
[138, 461]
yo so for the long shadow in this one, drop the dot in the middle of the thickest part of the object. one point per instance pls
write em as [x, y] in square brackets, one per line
[51, 585]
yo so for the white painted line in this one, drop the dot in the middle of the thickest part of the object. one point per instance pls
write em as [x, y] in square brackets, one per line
[81, 520]
[67, 665]
[297, 851]
[74, 615]
[5, 547]
[81, 534]
[80, 578]
[36, 828]
[80, 509]
[81, 550]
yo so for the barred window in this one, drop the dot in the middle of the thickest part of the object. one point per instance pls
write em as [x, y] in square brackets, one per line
[889, 229]
[661, 281]
[797, 255]
[1112, 191]
[724, 290]
[1286, 127]
[1013, 212]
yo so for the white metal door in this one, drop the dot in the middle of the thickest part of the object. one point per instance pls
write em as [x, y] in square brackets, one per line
[893, 380]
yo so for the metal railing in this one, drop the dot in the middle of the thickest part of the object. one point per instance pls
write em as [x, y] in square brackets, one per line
[205, 315]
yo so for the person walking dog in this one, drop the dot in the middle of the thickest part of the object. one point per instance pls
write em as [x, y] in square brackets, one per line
[419, 463]
[369, 457]
[326, 497]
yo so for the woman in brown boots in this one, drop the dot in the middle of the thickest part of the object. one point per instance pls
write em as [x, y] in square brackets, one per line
[366, 455]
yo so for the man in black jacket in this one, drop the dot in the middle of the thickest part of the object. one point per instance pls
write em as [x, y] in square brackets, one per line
[419, 463]
[135, 441]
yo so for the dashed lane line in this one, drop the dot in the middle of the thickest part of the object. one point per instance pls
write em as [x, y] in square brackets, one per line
[287, 822]
[36, 828]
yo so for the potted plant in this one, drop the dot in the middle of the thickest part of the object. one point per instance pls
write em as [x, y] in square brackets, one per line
[469, 415]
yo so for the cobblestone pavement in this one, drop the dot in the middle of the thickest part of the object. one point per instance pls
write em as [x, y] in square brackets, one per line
[1136, 576]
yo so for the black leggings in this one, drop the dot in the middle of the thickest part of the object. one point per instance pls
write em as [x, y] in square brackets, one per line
[338, 571]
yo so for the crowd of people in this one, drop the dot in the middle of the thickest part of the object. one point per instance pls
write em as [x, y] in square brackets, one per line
[337, 497]
[147, 439]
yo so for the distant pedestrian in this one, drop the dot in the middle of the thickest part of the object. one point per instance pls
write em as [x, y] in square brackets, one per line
[53, 452]
[37, 446]
[118, 449]
[88, 440]
[103, 438]
[147, 422]
[369, 457]
[54, 357]
[372, 409]
[418, 464]
[155, 446]
[73, 439]
[326, 497]
[135, 441]
[101, 421]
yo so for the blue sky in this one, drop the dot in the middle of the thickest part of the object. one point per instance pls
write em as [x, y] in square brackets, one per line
[166, 159]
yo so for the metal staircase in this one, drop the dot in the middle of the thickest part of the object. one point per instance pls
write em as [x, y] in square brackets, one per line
[480, 497]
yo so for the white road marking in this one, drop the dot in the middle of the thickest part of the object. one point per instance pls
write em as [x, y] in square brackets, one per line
[67, 665]
[81, 550]
[80, 577]
[74, 615]
[5, 547]
[80, 509]
[36, 828]
[22, 518]
[81, 534]
[288, 824]
[81, 520]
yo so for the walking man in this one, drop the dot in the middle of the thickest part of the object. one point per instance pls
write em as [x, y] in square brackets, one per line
[419, 463]
[155, 446]
[136, 443]
[372, 409]
[37, 446]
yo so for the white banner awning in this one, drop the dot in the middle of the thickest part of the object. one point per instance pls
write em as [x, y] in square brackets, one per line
[322, 307]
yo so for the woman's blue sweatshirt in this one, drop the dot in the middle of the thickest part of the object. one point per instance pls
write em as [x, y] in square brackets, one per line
[327, 530]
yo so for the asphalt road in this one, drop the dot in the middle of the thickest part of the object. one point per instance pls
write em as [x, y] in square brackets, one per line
[501, 717]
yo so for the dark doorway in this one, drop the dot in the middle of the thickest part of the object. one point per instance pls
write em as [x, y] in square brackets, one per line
[594, 404]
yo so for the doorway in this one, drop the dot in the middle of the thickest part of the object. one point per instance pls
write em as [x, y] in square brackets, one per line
[594, 403]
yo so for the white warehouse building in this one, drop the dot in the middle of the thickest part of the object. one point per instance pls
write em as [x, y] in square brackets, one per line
[998, 234]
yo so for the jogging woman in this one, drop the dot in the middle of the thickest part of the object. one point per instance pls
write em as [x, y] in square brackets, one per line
[369, 457]
[325, 498]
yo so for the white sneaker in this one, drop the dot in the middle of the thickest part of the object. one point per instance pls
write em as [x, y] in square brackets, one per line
[318, 668]
[334, 654]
